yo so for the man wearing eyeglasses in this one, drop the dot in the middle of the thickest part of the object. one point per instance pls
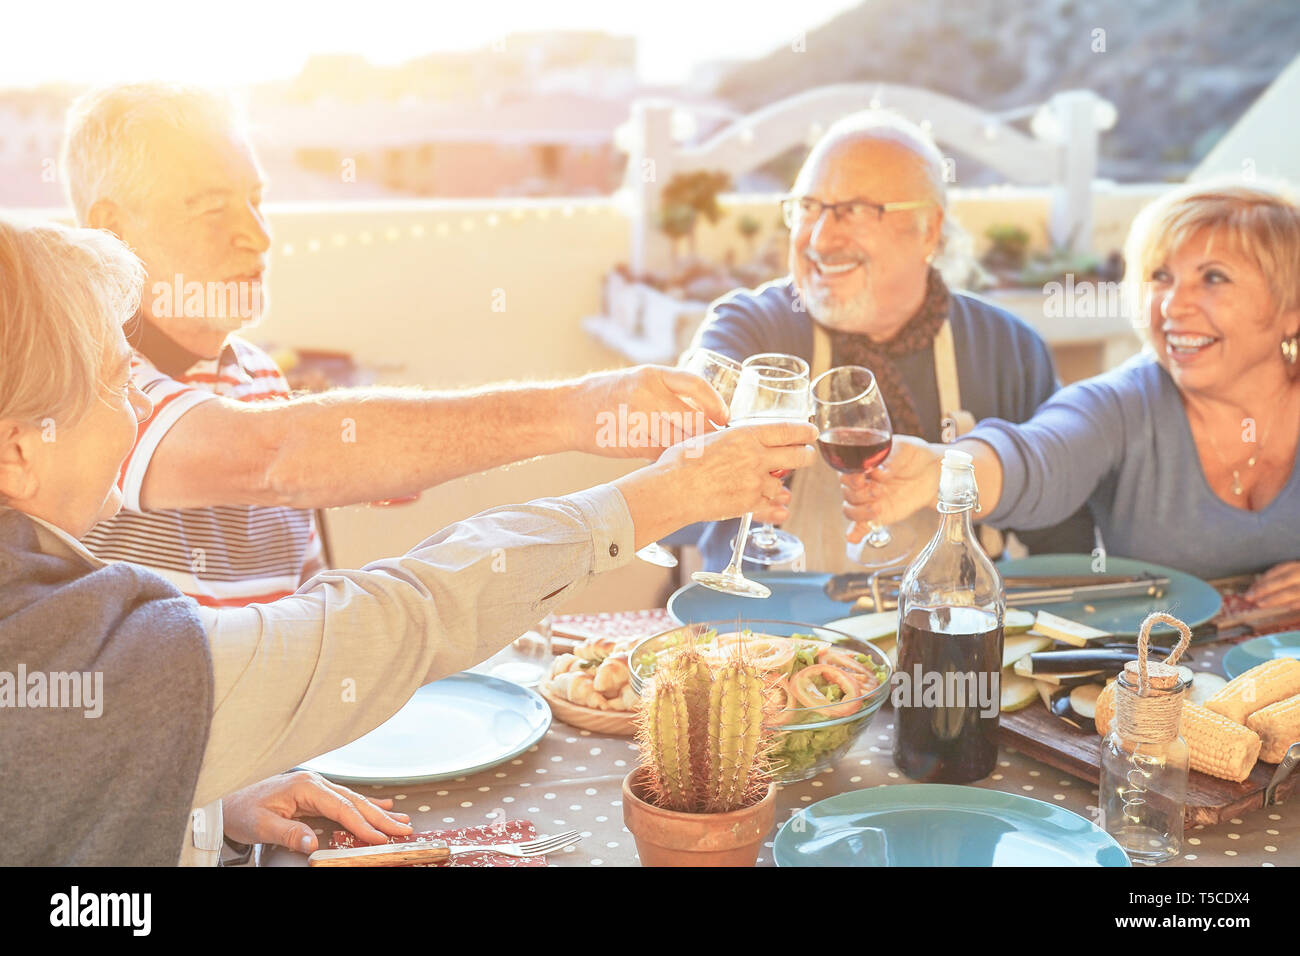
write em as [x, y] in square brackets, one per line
[868, 223]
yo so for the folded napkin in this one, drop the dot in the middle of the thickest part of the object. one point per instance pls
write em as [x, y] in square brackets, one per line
[515, 831]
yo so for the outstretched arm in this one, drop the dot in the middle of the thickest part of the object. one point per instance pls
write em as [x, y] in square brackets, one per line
[300, 676]
[359, 445]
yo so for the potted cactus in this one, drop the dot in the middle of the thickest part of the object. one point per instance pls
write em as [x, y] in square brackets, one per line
[703, 795]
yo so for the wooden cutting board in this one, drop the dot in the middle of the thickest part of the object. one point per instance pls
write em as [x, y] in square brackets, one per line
[1036, 733]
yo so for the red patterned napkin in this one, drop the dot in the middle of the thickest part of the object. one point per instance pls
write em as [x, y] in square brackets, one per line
[619, 625]
[515, 831]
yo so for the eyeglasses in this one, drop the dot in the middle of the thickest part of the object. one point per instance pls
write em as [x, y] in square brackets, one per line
[854, 213]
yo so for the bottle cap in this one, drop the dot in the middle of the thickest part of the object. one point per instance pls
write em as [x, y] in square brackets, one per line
[957, 482]
[956, 458]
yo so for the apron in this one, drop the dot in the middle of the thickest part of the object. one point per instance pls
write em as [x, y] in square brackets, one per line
[815, 504]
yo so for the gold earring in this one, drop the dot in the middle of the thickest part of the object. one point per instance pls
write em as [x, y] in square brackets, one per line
[1291, 349]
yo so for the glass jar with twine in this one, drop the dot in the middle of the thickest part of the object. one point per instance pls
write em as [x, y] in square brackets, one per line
[1144, 759]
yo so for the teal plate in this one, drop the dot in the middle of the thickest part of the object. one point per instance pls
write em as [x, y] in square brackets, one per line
[940, 825]
[451, 728]
[795, 597]
[1243, 657]
[1188, 598]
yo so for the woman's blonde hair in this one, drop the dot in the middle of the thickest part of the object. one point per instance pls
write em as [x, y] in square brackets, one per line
[63, 295]
[1258, 220]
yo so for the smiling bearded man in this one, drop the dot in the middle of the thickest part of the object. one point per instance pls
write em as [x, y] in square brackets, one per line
[868, 220]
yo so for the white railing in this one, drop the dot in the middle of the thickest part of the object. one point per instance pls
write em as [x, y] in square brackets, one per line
[1062, 153]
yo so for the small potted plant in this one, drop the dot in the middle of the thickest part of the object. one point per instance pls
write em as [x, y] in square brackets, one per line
[703, 795]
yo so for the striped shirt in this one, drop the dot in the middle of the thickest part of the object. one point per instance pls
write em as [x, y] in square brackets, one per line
[223, 556]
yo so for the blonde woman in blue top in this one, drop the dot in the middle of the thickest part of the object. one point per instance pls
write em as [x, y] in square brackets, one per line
[1187, 454]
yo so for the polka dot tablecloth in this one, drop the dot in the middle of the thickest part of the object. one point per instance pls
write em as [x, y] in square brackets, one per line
[572, 779]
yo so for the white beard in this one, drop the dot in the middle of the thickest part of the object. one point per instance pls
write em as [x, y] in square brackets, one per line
[850, 315]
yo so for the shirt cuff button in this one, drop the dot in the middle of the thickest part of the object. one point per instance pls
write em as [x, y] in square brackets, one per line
[613, 551]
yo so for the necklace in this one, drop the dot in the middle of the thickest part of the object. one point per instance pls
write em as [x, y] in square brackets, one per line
[1250, 462]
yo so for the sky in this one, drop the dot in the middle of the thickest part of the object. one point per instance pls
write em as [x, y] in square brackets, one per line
[245, 41]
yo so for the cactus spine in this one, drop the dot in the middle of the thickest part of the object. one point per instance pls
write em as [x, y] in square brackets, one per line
[701, 733]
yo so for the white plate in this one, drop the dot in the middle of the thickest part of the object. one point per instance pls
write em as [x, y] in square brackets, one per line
[454, 727]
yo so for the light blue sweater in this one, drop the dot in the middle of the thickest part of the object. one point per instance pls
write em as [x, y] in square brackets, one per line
[1122, 443]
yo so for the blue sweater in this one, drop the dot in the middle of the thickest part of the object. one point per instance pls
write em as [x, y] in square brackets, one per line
[1122, 443]
[1004, 368]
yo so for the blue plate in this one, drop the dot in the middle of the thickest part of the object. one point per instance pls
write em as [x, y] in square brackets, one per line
[1188, 598]
[795, 597]
[451, 728]
[1243, 657]
[940, 825]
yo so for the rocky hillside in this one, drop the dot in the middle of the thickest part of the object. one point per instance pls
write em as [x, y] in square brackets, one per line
[1179, 72]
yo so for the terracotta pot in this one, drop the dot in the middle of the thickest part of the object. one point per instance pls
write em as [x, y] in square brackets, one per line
[671, 838]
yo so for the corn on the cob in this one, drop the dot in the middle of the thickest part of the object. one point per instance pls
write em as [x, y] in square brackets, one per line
[1278, 726]
[1258, 687]
[1217, 746]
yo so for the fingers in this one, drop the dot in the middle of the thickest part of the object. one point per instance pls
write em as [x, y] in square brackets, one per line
[392, 824]
[774, 509]
[789, 457]
[859, 492]
[1279, 586]
[775, 434]
[353, 811]
[290, 834]
[862, 513]
[697, 392]
[858, 531]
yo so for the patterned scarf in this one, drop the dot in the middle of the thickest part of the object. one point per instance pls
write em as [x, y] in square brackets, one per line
[854, 348]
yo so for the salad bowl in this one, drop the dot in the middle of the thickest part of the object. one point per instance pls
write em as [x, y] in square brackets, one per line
[824, 686]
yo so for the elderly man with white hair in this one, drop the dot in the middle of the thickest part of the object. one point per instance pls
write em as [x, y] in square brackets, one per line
[868, 227]
[219, 488]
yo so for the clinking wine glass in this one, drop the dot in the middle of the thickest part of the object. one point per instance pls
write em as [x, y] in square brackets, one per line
[854, 435]
[722, 373]
[768, 544]
[763, 395]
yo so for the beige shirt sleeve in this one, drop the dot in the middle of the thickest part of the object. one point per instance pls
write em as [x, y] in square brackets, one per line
[308, 673]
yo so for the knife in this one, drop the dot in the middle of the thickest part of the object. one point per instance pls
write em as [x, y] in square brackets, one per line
[856, 584]
[385, 854]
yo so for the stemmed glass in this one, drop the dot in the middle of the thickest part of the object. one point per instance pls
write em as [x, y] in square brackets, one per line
[854, 435]
[767, 544]
[763, 395]
[722, 373]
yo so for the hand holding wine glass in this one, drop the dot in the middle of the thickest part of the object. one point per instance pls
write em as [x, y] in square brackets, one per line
[721, 373]
[902, 484]
[854, 436]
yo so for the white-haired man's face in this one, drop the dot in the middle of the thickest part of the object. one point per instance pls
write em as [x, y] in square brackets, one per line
[870, 278]
[197, 224]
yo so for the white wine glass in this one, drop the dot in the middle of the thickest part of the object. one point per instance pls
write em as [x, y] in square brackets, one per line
[763, 396]
[768, 545]
[722, 373]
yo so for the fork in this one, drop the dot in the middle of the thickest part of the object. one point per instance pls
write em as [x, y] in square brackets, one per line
[436, 851]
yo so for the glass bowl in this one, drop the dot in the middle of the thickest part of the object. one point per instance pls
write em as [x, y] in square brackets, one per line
[807, 741]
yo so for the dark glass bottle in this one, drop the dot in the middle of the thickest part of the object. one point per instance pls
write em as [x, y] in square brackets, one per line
[951, 605]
